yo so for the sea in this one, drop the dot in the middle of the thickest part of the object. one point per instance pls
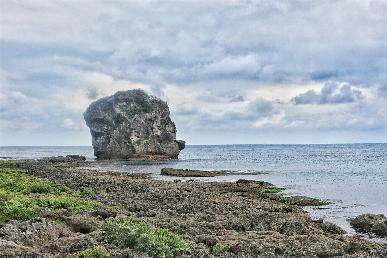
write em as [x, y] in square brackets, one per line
[352, 177]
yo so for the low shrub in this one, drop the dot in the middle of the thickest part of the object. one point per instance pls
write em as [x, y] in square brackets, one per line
[16, 206]
[156, 242]
[95, 252]
[40, 187]
[276, 193]
[88, 192]
[71, 203]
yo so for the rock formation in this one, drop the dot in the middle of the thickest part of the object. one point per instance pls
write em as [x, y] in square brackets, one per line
[370, 224]
[132, 124]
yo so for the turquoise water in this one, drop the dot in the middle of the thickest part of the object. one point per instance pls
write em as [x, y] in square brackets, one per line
[352, 176]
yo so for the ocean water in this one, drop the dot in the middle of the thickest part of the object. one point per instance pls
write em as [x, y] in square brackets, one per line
[353, 177]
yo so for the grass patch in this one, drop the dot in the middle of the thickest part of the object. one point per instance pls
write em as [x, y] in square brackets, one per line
[156, 242]
[22, 196]
[272, 191]
[220, 249]
[276, 193]
[88, 192]
[68, 202]
[95, 252]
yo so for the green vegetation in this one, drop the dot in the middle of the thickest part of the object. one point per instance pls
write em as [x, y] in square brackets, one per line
[95, 252]
[88, 192]
[22, 196]
[276, 193]
[156, 242]
[220, 249]
[272, 191]
[68, 202]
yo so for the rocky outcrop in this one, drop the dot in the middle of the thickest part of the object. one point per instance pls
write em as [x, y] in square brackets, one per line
[202, 173]
[371, 224]
[132, 124]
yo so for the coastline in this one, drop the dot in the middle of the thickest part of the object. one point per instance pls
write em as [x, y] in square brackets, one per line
[205, 214]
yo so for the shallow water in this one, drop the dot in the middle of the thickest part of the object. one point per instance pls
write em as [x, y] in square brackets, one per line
[352, 176]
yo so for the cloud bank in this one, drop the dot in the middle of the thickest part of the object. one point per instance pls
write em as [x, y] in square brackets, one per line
[331, 93]
[232, 71]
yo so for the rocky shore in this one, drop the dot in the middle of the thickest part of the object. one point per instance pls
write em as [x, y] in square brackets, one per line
[241, 219]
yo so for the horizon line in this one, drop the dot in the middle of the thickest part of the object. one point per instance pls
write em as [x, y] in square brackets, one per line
[226, 144]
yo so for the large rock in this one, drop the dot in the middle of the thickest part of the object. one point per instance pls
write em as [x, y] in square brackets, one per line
[132, 124]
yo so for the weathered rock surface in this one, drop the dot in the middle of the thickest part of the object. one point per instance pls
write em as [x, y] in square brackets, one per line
[132, 124]
[202, 173]
[371, 224]
[68, 158]
[207, 214]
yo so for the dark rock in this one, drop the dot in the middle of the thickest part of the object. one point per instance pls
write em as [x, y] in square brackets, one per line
[132, 124]
[61, 159]
[181, 144]
[253, 182]
[201, 173]
[370, 223]
[305, 201]
[76, 157]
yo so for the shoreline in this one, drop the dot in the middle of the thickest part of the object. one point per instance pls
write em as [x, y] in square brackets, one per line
[211, 213]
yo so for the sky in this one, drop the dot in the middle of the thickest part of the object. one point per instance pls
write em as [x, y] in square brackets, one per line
[231, 71]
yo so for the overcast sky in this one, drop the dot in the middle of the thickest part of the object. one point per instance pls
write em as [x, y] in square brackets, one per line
[231, 71]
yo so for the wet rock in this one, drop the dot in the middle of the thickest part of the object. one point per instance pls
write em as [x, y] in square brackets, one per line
[253, 182]
[305, 201]
[76, 157]
[132, 124]
[190, 173]
[200, 173]
[371, 224]
[62, 159]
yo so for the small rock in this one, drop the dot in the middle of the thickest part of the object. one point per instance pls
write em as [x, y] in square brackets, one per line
[181, 144]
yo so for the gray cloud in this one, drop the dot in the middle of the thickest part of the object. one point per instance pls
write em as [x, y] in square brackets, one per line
[219, 48]
[237, 98]
[93, 93]
[331, 93]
